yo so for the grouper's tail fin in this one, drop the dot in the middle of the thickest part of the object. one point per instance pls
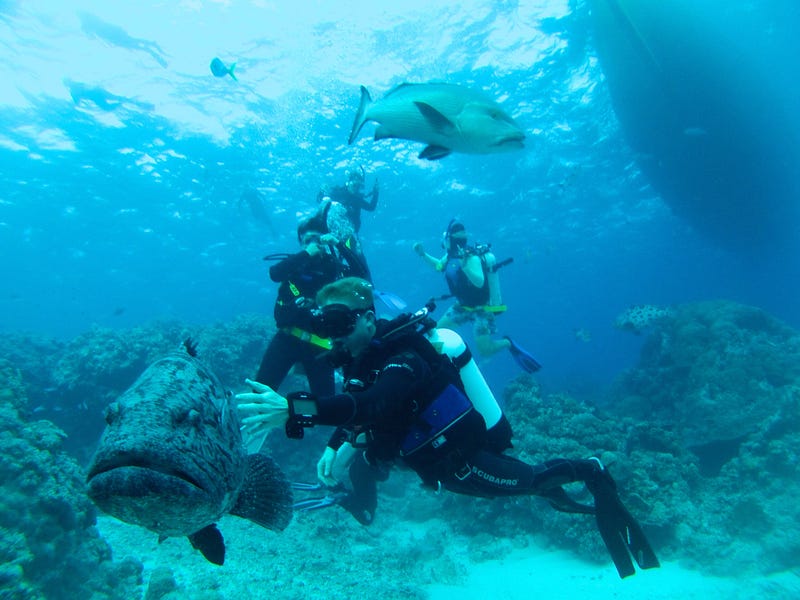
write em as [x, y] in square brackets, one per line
[359, 121]
[266, 494]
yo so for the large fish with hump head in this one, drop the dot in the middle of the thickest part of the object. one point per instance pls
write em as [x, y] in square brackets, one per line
[172, 460]
[446, 117]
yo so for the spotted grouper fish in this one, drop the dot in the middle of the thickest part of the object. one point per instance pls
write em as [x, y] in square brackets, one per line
[172, 460]
[446, 117]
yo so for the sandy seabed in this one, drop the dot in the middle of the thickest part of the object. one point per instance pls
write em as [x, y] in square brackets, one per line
[326, 554]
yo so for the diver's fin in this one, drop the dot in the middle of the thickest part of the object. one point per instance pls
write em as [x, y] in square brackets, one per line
[434, 152]
[622, 535]
[435, 119]
[360, 119]
[266, 495]
[560, 500]
[210, 544]
[523, 358]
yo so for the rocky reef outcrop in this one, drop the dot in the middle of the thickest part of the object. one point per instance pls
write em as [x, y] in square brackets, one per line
[50, 546]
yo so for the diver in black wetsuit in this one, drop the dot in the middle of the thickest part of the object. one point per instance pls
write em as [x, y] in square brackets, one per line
[352, 197]
[301, 276]
[410, 403]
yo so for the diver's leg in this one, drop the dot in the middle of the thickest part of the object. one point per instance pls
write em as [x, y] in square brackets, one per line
[362, 502]
[280, 355]
[487, 474]
[320, 374]
[483, 328]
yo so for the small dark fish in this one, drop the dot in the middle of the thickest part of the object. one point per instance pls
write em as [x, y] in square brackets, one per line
[219, 69]
[172, 460]
[119, 311]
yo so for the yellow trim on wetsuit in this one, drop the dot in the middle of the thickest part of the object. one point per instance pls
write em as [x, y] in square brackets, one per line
[499, 308]
[309, 337]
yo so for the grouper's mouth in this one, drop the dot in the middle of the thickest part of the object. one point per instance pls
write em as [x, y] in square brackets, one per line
[146, 463]
[512, 141]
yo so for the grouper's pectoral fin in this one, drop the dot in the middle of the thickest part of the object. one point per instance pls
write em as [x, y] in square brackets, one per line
[266, 495]
[440, 123]
[210, 544]
[434, 152]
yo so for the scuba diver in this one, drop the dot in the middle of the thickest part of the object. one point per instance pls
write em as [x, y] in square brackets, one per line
[411, 404]
[351, 196]
[340, 210]
[301, 276]
[471, 275]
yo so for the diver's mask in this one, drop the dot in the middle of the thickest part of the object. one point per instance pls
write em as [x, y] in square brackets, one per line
[336, 320]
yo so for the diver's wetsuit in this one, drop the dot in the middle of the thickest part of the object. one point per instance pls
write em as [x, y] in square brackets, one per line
[300, 276]
[399, 388]
[354, 202]
[396, 383]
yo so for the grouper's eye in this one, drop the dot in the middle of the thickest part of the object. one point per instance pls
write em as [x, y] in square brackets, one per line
[190, 416]
[112, 412]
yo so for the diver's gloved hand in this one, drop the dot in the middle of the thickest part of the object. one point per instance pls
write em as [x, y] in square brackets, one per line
[328, 239]
[334, 459]
[419, 248]
[325, 467]
[261, 409]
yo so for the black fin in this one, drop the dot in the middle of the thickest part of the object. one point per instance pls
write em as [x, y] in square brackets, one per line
[266, 494]
[435, 119]
[560, 500]
[191, 347]
[622, 535]
[210, 544]
[434, 152]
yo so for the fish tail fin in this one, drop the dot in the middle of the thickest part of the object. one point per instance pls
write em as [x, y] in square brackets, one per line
[359, 121]
[230, 72]
[266, 495]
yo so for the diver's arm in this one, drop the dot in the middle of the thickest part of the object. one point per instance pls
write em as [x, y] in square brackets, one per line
[285, 269]
[372, 204]
[473, 269]
[391, 397]
[436, 263]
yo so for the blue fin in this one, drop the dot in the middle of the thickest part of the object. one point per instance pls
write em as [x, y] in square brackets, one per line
[523, 358]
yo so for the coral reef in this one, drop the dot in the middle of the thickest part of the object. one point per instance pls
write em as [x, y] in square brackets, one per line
[90, 371]
[702, 437]
[719, 386]
[50, 548]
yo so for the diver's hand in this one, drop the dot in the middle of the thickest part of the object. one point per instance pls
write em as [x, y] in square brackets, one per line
[313, 249]
[419, 248]
[261, 409]
[328, 239]
[325, 467]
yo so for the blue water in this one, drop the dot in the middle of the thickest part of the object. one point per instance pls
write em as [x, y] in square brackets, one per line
[124, 159]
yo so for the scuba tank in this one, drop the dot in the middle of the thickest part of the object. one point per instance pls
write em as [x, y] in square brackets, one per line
[447, 341]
